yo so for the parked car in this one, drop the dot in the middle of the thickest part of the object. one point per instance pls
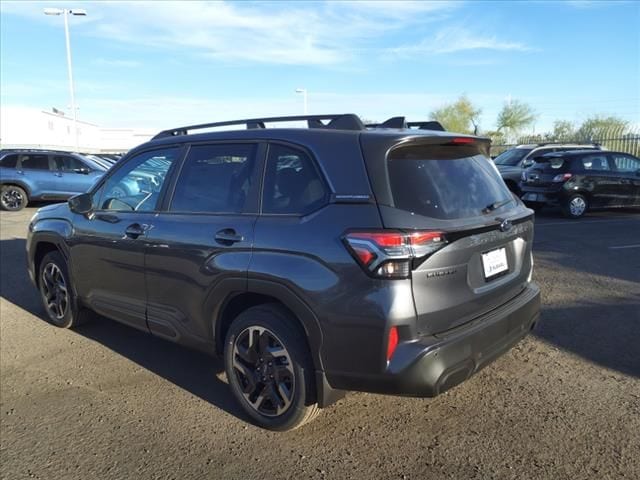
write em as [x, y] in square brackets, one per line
[582, 180]
[512, 162]
[27, 175]
[314, 260]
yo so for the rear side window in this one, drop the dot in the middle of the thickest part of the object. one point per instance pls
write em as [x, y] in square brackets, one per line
[10, 161]
[595, 162]
[626, 163]
[34, 162]
[215, 179]
[292, 185]
[445, 182]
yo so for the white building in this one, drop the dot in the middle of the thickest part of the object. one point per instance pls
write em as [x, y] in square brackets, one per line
[22, 127]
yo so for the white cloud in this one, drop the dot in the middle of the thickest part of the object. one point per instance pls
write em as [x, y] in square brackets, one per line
[456, 39]
[292, 33]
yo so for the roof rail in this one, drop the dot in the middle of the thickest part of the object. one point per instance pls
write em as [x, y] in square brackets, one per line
[399, 122]
[348, 121]
[542, 144]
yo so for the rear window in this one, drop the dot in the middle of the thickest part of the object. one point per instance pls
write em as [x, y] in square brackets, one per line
[445, 182]
[511, 157]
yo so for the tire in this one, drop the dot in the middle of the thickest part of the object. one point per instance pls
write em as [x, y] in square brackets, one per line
[13, 198]
[56, 292]
[276, 391]
[575, 206]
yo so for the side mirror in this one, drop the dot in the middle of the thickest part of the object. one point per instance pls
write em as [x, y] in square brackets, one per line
[527, 163]
[81, 204]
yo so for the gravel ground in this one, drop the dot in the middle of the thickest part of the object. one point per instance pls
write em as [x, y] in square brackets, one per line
[106, 401]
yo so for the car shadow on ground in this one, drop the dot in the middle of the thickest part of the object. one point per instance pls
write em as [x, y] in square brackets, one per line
[195, 372]
[605, 334]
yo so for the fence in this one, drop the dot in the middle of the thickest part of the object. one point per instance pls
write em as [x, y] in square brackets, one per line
[617, 139]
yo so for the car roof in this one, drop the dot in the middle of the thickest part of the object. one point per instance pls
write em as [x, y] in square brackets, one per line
[575, 153]
[36, 150]
[587, 146]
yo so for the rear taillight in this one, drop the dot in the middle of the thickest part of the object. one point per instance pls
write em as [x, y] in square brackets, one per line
[389, 254]
[563, 177]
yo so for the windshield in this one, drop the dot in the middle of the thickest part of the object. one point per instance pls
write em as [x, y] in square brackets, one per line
[512, 157]
[445, 182]
[94, 164]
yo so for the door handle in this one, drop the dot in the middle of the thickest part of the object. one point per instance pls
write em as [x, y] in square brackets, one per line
[228, 236]
[134, 230]
[58, 174]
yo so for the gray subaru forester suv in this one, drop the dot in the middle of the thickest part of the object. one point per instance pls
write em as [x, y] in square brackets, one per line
[315, 260]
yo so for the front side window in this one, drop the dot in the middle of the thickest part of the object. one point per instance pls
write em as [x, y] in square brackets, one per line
[595, 162]
[66, 163]
[34, 162]
[292, 184]
[215, 179]
[626, 163]
[138, 184]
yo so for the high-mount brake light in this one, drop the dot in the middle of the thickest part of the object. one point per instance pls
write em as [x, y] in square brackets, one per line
[563, 177]
[462, 140]
[389, 254]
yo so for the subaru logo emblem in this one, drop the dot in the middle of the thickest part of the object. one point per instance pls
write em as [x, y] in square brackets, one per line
[505, 226]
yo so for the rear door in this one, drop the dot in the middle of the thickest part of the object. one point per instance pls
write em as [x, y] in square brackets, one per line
[200, 246]
[627, 167]
[37, 172]
[455, 189]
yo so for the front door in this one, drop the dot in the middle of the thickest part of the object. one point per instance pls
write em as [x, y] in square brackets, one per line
[201, 244]
[107, 255]
[74, 175]
[627, 167]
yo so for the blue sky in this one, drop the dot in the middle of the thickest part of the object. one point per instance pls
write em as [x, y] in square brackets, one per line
[163, 64]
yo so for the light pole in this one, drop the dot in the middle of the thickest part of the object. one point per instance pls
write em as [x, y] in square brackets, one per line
[303, 91]
[66, 12]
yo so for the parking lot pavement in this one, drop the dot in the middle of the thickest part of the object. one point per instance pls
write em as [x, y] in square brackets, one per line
[106, 401]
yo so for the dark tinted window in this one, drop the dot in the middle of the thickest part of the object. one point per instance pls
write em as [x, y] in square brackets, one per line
[215, 179]
[444, 182]
[10, 161]
[512, 157]
[68, 163]
[626, 163]
[595, 162]
[292, 184]
[138, 184]
[34, 162]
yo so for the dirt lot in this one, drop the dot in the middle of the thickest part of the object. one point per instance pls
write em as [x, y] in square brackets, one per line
[106, 401]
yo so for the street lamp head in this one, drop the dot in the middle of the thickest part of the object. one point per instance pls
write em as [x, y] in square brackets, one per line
[79, 12]
[301, 90]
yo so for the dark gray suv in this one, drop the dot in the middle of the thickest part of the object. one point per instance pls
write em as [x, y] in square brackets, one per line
[315, 260]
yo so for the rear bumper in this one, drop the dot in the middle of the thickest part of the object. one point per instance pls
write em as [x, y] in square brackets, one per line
[547, 196]
[432, 365]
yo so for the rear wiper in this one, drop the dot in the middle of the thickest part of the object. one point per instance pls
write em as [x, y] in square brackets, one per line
[494, 206]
